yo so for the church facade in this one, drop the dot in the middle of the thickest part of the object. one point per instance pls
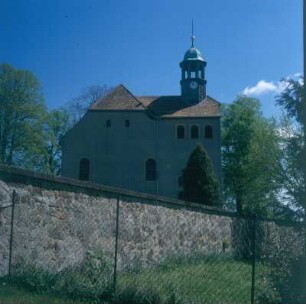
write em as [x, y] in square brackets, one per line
[143, 143]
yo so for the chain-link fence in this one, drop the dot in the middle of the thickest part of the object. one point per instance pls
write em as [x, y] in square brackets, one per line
[150, 253]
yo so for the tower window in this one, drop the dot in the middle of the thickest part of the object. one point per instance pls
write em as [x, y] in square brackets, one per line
[108, 123]
[150, 169]
[84, 169]
[208, 132]
[194, 132]
[180, 132]
[193, 75]
[127, 123]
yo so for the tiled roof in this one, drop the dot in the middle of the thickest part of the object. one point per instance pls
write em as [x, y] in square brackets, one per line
[175, 106]
[120, 98]
[162, 106]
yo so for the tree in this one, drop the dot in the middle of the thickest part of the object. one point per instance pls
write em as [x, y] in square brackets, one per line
[199, 181]
[80, 104]
[291, 99]
[292, 163]
[55, 126]
[290, 273]
[21, 112]
[250, 152]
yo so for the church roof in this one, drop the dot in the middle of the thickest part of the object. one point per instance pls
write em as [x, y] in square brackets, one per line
[120, 98]
[176, 106]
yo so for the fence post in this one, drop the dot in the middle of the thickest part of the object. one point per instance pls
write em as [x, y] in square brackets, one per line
[116, 247]
[253, 260]
[12, 235]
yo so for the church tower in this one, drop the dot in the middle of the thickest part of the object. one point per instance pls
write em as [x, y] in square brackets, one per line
[193, 83]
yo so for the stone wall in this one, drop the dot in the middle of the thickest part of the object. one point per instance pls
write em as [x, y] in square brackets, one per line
[57, 220]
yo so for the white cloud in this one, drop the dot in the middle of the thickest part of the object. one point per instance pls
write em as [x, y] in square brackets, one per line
[265, 87]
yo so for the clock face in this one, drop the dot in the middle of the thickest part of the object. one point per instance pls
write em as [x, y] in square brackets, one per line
[193, 84]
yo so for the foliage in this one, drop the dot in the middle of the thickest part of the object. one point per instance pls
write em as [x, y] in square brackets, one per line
[291, 175]
[250, 152]
[199, 181]
[186, 279]
[30, 134]
[17, 295]
[201, 279]
[243, 233]
[21, 118]
[291, 98]
[292, 162]
[55, 126]
[90, 280]
[265, 290]
[282, 256]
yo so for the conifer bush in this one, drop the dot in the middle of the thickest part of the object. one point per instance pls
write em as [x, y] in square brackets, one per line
[199, 180]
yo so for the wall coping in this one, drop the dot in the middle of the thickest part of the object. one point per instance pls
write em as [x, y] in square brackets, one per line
[9, 173]
[21, 176]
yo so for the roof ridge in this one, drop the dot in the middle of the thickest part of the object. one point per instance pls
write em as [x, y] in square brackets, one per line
[132, 95]
[113, 91]
[213, 99]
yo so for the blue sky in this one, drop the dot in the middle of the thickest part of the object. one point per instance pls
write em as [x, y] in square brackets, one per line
[70, 45]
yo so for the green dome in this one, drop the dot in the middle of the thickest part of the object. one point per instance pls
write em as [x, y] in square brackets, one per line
[193, 54]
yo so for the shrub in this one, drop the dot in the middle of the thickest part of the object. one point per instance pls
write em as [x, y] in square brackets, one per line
[91, 280]
[282, 255]
[199, 180]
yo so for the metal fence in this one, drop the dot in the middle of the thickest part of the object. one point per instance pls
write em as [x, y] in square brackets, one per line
[196, 261]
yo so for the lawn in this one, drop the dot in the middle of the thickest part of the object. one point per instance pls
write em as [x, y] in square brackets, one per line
[210, 280]
[17, 295]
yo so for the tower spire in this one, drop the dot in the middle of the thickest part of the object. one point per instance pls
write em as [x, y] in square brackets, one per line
[192, 35]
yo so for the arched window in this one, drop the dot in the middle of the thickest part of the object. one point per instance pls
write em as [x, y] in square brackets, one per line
[180, 132]
[194, 132]
[84, 169]
[150, 169]
[127, 123]
[108, 123]
[208, 132]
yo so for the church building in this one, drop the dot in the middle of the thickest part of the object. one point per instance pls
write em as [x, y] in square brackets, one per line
[143, 143]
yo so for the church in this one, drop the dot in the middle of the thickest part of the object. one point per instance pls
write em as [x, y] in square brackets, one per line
[143, 143]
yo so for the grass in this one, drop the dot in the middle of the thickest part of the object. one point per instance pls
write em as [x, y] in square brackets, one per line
[208, 281]
[213, 279]
[17, 295]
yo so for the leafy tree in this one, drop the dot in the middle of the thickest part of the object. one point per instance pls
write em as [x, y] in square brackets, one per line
[292, 163]
[291, 99]
[55, 127]
[250, 152]
[199, 181]
[21, 118]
